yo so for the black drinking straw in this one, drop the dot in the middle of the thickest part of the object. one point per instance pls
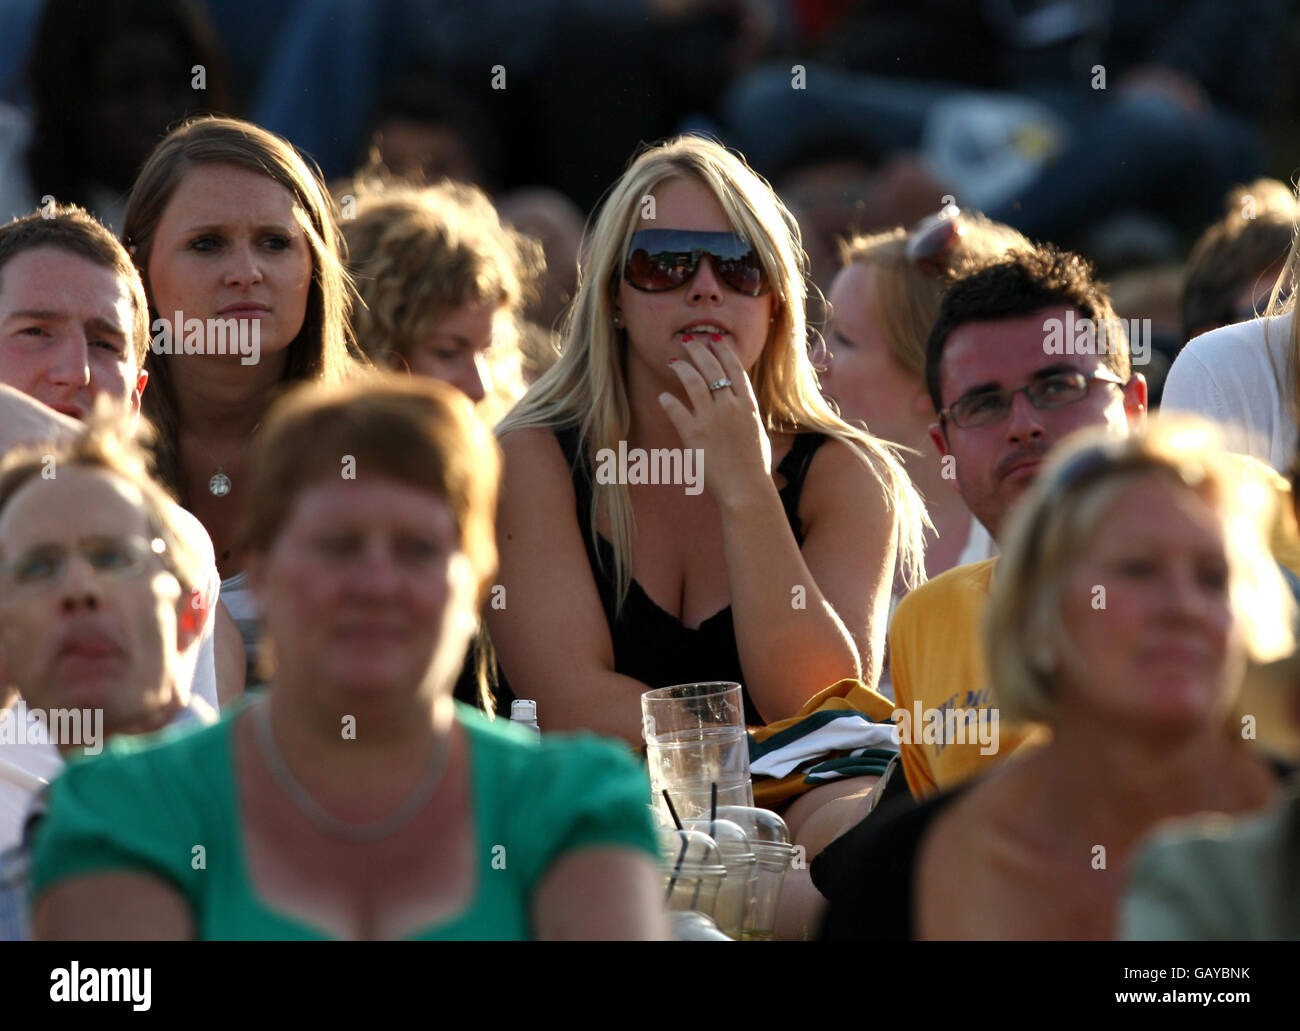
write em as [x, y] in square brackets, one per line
[713, 832]
[672, 881]
[672, 809]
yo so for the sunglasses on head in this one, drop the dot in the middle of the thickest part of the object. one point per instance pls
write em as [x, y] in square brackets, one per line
[664, 259]
[931, 241]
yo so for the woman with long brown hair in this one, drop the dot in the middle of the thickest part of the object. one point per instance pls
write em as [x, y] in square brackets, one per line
[235, 239]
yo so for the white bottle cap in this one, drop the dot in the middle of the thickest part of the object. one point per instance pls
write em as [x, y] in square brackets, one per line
[524, 710]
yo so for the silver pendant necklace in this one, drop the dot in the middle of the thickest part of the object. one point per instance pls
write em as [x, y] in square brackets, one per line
[219, 485]
[313, 810]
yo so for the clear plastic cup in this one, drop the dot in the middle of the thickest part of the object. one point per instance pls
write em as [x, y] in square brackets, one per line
[769, 838]
[689, 926]
[742, 869]
[695, 739]
[693, 870]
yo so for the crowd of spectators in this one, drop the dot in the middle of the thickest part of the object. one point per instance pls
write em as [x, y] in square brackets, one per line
[319, 324]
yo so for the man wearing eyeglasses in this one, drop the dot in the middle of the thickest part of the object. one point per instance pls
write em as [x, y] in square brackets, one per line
[1004, 394]
[97, 579]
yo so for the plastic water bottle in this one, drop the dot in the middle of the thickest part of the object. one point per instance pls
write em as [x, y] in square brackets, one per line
[523, 712]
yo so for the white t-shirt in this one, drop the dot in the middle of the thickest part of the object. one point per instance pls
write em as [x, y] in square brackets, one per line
[198, 666]
[26, 767]
[1231, 375]
[979, 545]
[29, 761]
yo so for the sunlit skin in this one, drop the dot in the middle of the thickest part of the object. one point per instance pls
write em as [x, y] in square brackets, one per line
[693, 553]
[455, 349]
[370, 602]
[230, 245]
[365, 591]
[860, 374]
[994, 464]
[1158, 655]
[65, 332]
[90, 640]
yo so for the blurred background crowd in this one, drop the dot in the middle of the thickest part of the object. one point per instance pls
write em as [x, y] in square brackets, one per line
[1078, 121]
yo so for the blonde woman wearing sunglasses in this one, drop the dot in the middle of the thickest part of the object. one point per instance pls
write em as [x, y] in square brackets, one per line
[770, 561]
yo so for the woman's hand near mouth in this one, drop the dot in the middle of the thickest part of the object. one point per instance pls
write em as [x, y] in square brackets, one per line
[724, 423]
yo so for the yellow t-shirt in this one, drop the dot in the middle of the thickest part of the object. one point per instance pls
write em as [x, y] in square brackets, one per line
[936, 651]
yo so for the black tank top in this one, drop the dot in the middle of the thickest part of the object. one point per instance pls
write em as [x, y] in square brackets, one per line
[650, 645]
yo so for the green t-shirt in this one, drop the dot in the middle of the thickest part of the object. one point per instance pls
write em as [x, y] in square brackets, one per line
[1219, 879]
[146, 805]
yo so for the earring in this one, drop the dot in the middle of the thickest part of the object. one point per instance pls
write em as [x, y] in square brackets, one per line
[618, 320]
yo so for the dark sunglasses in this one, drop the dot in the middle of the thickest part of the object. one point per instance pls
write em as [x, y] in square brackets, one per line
[664, 259]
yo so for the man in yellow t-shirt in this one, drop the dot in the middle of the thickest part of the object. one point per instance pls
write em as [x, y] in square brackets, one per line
[1015, 361]
[1005, 393]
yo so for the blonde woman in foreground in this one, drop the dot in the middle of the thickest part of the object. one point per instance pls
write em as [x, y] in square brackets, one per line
[1133, 584]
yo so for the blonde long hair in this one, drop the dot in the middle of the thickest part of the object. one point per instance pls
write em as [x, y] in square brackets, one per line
[587, 386]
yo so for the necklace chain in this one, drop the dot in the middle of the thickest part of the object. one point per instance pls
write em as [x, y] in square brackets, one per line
[313, 810]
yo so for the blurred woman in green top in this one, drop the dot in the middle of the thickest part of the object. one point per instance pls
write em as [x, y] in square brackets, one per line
[356, 799]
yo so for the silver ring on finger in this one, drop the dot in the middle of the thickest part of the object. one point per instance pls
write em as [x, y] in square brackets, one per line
[719, 384]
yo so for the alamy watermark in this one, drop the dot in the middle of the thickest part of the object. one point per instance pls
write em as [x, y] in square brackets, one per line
[948, 726]
[1101, 336]
[82, 728]
[75, 983]
[659, 465]
[208, 336]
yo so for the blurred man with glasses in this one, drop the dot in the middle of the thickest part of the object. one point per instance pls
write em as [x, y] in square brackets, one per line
[98, 614]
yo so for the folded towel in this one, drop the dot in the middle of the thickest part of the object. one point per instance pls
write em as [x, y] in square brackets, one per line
[844, 731]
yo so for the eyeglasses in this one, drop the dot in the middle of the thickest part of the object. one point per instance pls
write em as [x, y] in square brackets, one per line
[43, 566]
[1055, 390]
[664, 259]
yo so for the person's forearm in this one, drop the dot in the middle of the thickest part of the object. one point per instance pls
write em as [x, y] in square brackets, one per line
[792, 643]
[602, 702]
